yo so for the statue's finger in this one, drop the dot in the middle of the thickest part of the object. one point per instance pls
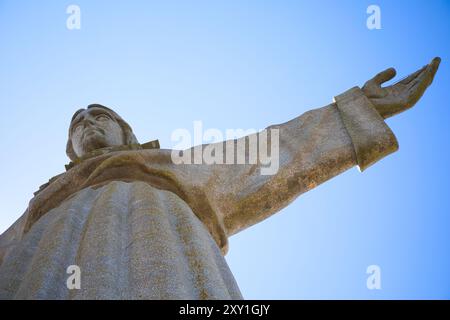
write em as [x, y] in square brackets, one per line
[415, 93]
[384, 76]
[425, 78]
[421, 83]
[413, 76]
[434, 67]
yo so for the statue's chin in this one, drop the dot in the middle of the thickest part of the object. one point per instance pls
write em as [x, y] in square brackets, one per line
[93, 142]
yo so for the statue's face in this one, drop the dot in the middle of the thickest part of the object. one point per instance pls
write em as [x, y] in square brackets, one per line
[93, 129]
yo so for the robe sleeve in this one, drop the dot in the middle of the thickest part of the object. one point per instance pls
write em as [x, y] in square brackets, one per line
[312, 148]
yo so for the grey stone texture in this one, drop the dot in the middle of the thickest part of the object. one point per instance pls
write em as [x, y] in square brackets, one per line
[141, 227]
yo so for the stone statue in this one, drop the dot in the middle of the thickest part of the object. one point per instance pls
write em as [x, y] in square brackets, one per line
[139, 226]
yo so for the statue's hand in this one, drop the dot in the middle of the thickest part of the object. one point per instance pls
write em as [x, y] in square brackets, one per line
[402, 95]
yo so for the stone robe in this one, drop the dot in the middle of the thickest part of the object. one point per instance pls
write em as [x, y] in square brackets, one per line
[141, 227]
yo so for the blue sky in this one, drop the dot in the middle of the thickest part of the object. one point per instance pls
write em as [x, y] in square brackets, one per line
[248, 64]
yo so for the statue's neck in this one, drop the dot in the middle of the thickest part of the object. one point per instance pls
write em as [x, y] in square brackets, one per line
[98, 152]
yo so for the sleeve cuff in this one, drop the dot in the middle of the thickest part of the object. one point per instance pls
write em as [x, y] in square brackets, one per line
[372, 138]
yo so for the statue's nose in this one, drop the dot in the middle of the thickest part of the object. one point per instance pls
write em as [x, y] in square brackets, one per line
[88, 122]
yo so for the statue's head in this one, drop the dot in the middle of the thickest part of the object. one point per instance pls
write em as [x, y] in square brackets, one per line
[97, 127]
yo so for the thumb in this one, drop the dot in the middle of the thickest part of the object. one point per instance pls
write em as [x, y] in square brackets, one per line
[384, 76]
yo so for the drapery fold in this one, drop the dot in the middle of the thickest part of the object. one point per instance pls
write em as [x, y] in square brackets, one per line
[130, 241]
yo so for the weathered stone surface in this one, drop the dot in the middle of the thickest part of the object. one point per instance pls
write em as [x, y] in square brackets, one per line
[140, 226]
[377, 141]
[130, 240]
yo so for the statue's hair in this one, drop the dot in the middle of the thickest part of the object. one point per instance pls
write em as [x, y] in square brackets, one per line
[128, 135]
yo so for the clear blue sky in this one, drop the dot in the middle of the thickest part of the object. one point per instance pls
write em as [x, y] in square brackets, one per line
[248, 64]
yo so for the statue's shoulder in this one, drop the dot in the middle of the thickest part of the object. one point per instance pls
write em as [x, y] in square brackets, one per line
[154, 144]
[45, 185]
[151, 145]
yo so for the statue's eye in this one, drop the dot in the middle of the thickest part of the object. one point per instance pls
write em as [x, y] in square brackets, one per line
[102, 117]
[76, 127]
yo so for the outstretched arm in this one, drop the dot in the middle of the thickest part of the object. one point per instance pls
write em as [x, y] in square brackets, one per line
[310, 150]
